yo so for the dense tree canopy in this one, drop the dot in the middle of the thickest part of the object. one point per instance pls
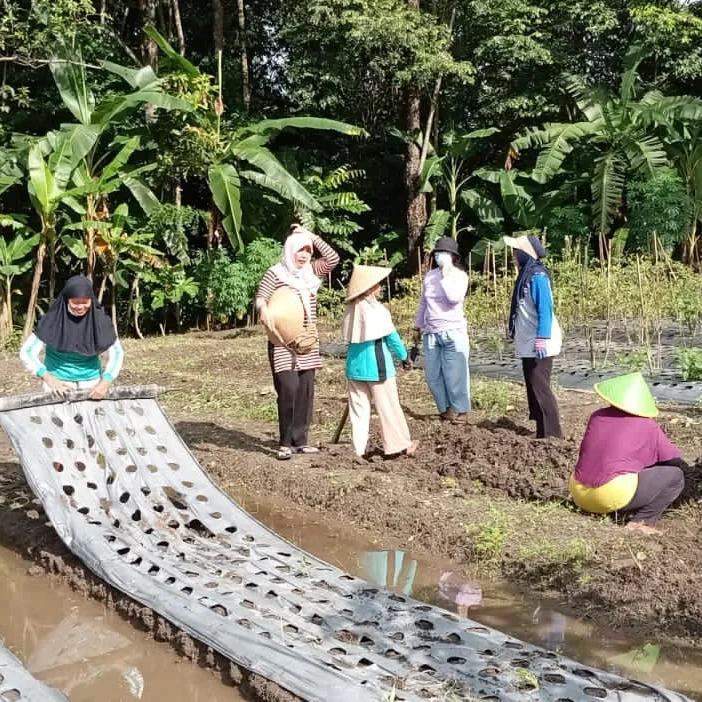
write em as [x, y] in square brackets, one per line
[190, 131]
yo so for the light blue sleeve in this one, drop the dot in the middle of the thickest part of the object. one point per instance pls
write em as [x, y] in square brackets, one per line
[115, 357]
[29, 355]
[541, 294]
[396, 346]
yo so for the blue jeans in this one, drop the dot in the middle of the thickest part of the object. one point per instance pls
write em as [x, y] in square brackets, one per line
[446, 369]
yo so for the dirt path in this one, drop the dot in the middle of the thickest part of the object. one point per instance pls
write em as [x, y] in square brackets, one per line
[487, 496]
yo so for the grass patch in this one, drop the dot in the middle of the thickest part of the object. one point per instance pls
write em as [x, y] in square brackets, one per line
[573, 553]
[496, 397]
[489, 536]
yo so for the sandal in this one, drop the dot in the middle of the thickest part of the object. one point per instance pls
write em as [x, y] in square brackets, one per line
[305, 449]
[284, 453]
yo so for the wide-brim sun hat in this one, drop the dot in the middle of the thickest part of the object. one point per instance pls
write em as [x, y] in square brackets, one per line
[365, 278]
[287, 316]
[629, 393]
[521, 243]
[446, 244]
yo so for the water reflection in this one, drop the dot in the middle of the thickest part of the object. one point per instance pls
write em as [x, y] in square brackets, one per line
[389, 569]
[530, 618]
[88, 652]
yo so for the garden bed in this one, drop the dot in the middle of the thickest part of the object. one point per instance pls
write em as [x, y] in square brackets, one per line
[486, 496]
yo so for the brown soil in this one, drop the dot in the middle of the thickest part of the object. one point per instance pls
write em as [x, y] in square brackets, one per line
[500, 455]
[486, 495]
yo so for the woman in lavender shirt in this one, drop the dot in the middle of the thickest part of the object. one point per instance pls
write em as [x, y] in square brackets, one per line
[441, 319]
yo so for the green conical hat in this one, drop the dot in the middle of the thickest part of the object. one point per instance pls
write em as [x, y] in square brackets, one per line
[629, 393]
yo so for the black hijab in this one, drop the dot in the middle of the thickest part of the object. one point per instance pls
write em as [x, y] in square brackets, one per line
[88, 335]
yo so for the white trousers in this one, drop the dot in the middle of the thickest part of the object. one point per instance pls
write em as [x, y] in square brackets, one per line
[393, 425]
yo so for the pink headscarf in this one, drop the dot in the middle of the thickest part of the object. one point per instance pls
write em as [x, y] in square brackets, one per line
[304, 279]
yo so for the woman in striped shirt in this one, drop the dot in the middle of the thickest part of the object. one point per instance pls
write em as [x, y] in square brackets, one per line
[72, 334]
[293, 373]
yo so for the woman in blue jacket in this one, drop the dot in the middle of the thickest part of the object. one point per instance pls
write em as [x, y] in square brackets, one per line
[536, 333]
[373, 340]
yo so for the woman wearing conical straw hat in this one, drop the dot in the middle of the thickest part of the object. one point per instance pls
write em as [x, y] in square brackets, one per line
[627, 464]
[536, 334]
[373, 340]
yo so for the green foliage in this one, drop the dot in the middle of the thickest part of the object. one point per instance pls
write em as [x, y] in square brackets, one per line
[660, 209]
[620, 137]
[567, 226]
[674, 34]
[172, 286]
[490, 536]
[175, 227]
[330, 303]
[690, 362]
[228, 287]
[348, 58]
[337, 203]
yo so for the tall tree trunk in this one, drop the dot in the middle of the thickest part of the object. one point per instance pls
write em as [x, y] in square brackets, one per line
[34, 294]
[245, 87]
[5, 310]
[218, 26]
[149, 49]
[416, 200]
[178, 26]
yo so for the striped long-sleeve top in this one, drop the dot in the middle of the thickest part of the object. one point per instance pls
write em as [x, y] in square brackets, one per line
[70, 367]
[282, 358]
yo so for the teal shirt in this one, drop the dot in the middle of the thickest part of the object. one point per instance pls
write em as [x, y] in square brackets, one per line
[372, 361]
[72, 367]
[67, 366]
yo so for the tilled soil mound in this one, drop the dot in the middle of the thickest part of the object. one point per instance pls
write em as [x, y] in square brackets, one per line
[501, 456]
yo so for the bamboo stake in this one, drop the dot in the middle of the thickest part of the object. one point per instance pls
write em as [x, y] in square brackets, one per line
[644, 324]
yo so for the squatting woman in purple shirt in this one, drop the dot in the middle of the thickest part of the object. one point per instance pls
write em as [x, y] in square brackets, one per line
[626, 463]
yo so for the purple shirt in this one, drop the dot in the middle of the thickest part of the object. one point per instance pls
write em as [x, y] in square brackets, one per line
[616, 443]
[441, 303]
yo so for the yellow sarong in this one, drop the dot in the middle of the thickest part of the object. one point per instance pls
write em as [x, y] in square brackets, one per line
[610, 497]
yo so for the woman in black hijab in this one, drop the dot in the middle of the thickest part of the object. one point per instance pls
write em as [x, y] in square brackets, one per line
[73, 333]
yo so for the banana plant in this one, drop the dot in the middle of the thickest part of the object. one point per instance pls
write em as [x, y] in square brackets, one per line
[121, 249]
[615, 135]
[452, 172]
[93, 180]
[67, 167]
[242, 157]
[15, 259]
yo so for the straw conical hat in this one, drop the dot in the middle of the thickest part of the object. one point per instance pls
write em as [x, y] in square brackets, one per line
[287, 315]
[364, 278]
[522, 243]
[628, 393]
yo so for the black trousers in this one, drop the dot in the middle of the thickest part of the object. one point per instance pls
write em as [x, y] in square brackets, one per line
[543, 407]
[295, 391]
[658, 487]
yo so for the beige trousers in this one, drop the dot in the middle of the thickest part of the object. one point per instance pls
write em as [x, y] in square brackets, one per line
[393, 425]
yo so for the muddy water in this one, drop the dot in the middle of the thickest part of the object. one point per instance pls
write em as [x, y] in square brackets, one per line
[87, 651]
[531, 619]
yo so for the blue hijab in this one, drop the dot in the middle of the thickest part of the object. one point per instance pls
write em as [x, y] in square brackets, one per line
[528, 268]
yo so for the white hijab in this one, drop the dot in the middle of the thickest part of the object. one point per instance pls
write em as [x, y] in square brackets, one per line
[304, 279]
[366, 319]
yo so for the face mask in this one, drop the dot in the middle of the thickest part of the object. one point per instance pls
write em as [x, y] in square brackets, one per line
[442, 258]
